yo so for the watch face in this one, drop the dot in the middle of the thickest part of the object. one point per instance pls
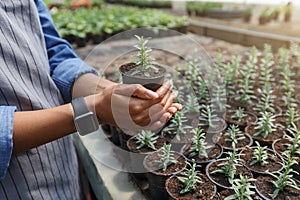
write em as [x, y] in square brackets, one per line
[86, 123]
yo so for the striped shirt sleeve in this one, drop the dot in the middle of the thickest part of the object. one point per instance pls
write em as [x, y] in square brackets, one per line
[65, 65]
[6, 141]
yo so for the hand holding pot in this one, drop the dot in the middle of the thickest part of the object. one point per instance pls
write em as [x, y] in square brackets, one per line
[134, 107]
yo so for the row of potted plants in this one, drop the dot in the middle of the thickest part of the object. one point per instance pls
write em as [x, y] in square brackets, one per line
[243, 145]
[148, 4]
[83, 24]
[200, 8]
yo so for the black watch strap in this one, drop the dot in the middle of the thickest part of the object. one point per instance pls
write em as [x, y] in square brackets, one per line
[79, 106]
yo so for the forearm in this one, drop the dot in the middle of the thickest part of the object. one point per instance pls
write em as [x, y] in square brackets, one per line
[89, 84]
[34, 128]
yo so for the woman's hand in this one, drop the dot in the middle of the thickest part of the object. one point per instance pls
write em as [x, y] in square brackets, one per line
[135, 107]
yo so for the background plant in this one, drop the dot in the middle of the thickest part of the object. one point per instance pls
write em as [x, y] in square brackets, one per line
[242, 188]
[284, 178]
[293, 147]
[265, 125]
[166, 157]
[260, 155]
[239, 114]
[146, 139]
[234, 135]
[199, 145]
[207, 116]
[228, 167]
[189, 178]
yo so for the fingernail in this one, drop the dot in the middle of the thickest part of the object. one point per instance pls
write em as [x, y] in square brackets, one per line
[152, 94]
[175, 93]
[180, 106]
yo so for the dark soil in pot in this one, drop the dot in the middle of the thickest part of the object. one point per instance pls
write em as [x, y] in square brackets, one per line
[247, 142]
[265, 187]
[220, 179]
[276, 111]
[274, 161]
[204, 191]
[278, 133]
[132, 145]
[178, 141]
[157, 177]
[282, 120]
[226, 193]
[124, 136]
[213, 153]
[235, 102]
[137, 156]
[218, 125]
[249, 119]
[152, 82]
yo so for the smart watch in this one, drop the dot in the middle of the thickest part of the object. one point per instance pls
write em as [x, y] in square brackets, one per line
[85, 121]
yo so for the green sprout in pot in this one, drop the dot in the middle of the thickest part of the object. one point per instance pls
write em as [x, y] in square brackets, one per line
[294, 146]
[292, 116]
[265, 125]
[178, 125]
[207, 116]
[239, 114]
[234, 135]
[242, 188]
[284, 178]
[198, 147]
[146, 139]
[260, 155]
[192, 104]
[229, 167]
[266, 101]
[144, 59]
[202, 90]
[189, 178]
[166, 157]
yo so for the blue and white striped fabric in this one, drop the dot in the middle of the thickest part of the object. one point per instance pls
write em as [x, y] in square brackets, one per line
[37, 70]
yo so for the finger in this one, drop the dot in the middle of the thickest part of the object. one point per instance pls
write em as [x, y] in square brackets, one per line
[177, 105]
[136, 90]
[170, 100]
[164, 88]
[160, 123]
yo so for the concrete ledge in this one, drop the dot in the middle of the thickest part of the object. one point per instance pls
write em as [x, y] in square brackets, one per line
[107, 183]
[241, 36]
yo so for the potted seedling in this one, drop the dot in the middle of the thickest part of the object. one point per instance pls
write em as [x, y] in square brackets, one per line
[144, 71]
[222, 172]
[209, 122]
[199, 150]
[178, 132]
[142, 144]
[266, 102]
[233, 136]
[161, 165]
[265, 131]
[290, 144]
[240, 117]
[192, 107]
[190, 184]
[261, 160]
[285, 121]
[242, 188]
[279, 185]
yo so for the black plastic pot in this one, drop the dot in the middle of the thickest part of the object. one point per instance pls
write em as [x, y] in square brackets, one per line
[258, 173]
[158, 179]
[203, 163]
[219, 185]
[152, 83]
